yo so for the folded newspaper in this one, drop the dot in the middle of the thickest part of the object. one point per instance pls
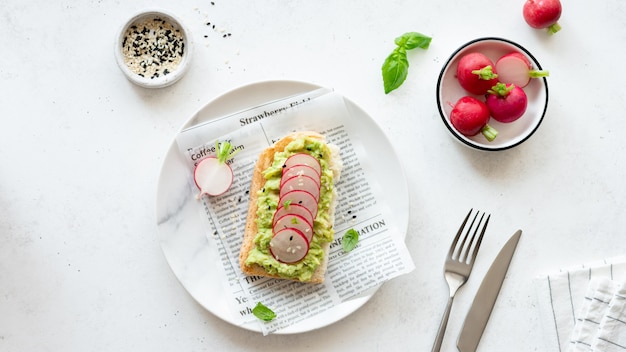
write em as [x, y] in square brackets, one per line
[381, 253]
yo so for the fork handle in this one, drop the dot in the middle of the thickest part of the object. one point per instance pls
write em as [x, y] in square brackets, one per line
[442, 326]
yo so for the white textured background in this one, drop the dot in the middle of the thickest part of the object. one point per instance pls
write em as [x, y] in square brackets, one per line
[80, 151]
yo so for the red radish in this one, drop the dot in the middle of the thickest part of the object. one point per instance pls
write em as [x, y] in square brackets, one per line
[289, 245]
[515, 68]
[303, 159]
[292, 209]
[212, 175]
[507, 103]
[299, 197]
[476, 73]
[543, 14]
[303, 183]
[294, 221]
[299, 170]
[470, 116]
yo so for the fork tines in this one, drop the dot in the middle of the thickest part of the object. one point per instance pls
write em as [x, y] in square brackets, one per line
[461, 253]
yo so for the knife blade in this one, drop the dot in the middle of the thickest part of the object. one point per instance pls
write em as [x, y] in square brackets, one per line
[486, 296]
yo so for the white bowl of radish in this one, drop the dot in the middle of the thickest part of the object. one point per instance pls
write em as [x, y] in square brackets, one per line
[492, 94]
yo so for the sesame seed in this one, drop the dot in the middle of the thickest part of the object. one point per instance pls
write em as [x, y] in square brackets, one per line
[155, 50]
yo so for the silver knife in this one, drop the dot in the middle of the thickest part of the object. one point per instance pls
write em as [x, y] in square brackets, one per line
[479, 312]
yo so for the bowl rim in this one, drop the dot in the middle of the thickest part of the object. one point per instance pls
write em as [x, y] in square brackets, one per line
[162, 81]
[447, 123]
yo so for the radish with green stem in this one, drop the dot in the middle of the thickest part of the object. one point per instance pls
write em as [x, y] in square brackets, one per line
[476, 73]
[212, 175]
[506, 103]
[470, 116]
[543, 14]
[515, 68]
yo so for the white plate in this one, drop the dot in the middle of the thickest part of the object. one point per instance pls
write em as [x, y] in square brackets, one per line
[179, 225]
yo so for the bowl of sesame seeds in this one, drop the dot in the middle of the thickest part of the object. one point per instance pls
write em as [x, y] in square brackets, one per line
[153, 49]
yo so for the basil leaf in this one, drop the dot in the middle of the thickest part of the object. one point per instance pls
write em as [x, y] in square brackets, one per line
[412, 40]
[262, 312]
[350, 239]
[396, 66]
[395, 69]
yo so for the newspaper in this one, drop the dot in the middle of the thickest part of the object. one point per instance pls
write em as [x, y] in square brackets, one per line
[380, 253]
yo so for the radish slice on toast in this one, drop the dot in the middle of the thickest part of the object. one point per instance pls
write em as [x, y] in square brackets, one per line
[294, 221]
[289, 245]
[293, 209]
[299, 170]
[302, 198]
[303, 159]
[302, 183]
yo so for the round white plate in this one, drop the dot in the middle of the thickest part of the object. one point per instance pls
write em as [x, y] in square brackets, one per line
[180, 228]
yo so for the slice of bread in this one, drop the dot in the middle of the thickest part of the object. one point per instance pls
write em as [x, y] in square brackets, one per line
[265, 160]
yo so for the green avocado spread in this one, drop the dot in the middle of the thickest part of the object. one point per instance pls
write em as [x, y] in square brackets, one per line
[267, 203]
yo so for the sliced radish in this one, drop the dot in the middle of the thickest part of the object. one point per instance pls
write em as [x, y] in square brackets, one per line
[303, 159]
[294, 221]
[299, 170]
[212, 176]
[301, 183]
[293, 209]
[289, 245]
[302, 198]
[515, 68]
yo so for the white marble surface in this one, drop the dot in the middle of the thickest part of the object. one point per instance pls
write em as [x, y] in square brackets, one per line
[81, 267]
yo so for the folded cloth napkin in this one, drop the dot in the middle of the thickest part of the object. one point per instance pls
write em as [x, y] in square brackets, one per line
[612, 330]
[583, 307]
[593, 312]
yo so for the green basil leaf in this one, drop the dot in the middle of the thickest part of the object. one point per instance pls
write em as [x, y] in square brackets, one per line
[262, 312]
[350, 239]
[412, 40]
[395, 69]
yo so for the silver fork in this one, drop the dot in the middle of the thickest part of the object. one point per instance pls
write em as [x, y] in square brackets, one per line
[459, 263]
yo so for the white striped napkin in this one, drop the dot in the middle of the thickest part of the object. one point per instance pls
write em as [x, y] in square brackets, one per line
[583, 308]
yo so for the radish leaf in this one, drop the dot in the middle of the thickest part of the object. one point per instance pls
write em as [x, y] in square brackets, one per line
[224, 151]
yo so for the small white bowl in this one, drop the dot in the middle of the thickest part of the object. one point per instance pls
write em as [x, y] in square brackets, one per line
[509, 134]
[147, 76]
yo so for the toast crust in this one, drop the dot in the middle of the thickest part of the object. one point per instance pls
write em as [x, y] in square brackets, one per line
[264, 161]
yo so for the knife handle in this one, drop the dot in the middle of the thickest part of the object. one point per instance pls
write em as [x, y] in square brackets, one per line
[442, 326]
